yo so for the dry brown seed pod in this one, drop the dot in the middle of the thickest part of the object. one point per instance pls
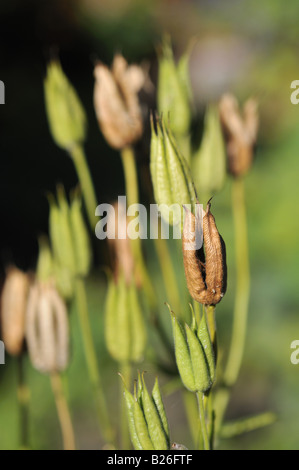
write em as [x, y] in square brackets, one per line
[205, 268]
[116, 102]
[13, 308]
[240, 132]
[47, 330]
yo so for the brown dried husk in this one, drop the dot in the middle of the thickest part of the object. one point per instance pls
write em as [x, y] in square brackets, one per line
[205, 269]
[116, 102]
[240, 133]
[13, 309]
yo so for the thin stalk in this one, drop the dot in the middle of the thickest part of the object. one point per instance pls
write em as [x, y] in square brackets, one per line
[132, 193]
[23, 401]
[63, 413]
[80, 162]
[126, 373]
[202, 421]
[168, 272]
[237, 346]
[92, 362]
[211, 321]
[190, 404]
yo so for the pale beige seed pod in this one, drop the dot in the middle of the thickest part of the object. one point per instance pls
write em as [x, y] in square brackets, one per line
[13, 309]
[47, 329]
[119, 243]
[116, 102]
[205, 269]
[241, 129]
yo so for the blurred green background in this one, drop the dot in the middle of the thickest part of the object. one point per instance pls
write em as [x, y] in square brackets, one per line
[247, 47]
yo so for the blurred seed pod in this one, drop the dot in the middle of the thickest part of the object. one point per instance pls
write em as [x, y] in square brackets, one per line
[47, 329]
[125, 330]
[49, 270]
[69, 236]
[240, 132]
[171, 177]
[119, 244]
[81, 242]
[116, 102]
[209, 161]
[148, 423]
[66, 116]
[205, 269]
[13, 310]
[174, 90]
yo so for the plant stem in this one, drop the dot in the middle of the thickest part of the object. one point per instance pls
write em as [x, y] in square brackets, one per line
[190, 405]
[132, 193]
[63, 413]
[237, 346]
[80, 162]
[168, 272]
[92, 362]
[202, 421]
[211, 321]
[23, 400]
[126, 372]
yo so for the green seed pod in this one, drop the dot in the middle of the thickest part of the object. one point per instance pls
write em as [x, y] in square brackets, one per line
[125, 330]
[200, 367]
[204, 337]
[138, 330]
[130, 413]
[65, 113]
[45, 264]
[182, 355]
[154, 423]
[156, 395]
[60, 232]
[159, 169]
[141, 428]
[171, 175]
[146, 416]
[209, 161]
[80, 238]
[64, 281]
[172, 93]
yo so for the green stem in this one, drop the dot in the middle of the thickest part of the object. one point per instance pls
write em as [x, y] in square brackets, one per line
[211, 321]
[237, 346]
[168, 274]
[63, 413]
[126, 372]
[23, 400]
[202, 421]
[190, 405]
[80, 162]
[132, 193]
[92, 362]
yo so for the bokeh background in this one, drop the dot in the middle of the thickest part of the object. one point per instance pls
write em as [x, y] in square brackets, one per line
[247, 47]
